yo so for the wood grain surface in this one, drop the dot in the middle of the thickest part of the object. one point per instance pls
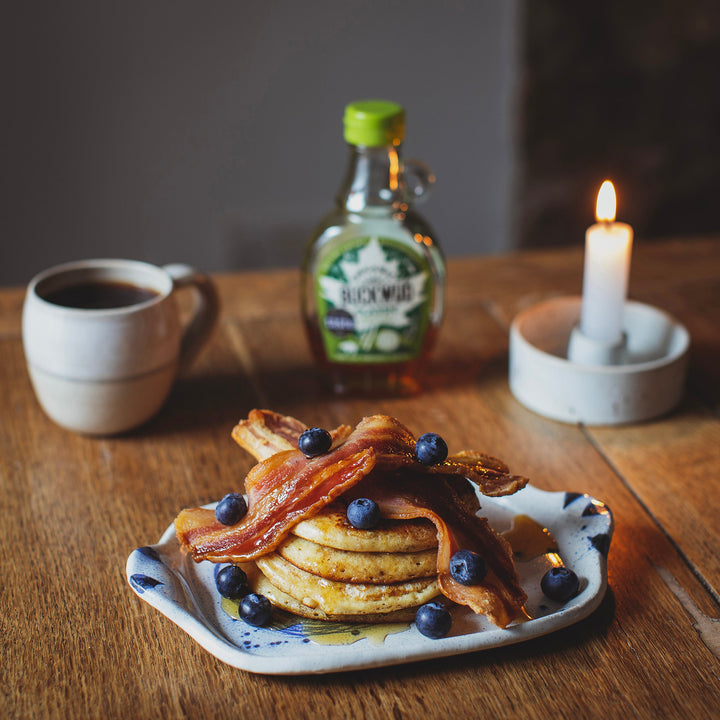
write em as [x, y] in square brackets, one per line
[78, 643]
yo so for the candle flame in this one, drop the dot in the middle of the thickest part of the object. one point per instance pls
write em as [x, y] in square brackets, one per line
[606, 206]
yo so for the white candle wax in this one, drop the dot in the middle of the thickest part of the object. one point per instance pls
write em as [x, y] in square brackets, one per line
[608, 247]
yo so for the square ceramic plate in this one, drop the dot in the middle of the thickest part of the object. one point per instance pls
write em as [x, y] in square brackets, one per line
[544, 528]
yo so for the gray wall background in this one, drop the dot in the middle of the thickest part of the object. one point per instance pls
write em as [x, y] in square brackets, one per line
[211, 133]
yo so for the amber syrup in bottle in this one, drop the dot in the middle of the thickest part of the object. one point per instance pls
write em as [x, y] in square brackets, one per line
[373, 275]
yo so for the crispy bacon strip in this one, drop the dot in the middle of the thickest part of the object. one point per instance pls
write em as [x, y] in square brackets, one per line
[500, 596]
[266, 432]
[288, 488]
[488, 473]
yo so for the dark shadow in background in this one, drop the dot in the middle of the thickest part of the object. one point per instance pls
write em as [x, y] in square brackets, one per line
[627, 91]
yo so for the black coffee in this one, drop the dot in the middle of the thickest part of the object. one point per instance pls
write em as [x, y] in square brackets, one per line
[101, 295]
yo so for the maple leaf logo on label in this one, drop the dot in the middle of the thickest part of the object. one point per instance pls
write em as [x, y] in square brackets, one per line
[373, 301]
[374, 292]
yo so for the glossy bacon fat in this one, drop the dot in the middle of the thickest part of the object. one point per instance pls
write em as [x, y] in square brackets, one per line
[375, 460]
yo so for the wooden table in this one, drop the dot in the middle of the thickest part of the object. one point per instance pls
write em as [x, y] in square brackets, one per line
[78, 643]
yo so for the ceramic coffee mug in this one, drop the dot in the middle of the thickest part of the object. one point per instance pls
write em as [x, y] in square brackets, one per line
[104, 339]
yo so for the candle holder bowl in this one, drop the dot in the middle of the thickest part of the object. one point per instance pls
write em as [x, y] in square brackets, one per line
[647, 383]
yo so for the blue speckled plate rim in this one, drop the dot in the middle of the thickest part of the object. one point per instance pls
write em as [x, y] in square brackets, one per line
[567, 516]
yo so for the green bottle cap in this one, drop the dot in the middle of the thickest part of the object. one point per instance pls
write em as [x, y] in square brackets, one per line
[374, 123]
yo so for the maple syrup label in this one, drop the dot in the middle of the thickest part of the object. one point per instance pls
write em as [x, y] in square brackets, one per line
[373, 299]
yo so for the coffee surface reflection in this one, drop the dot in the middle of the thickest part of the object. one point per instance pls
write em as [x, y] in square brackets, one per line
[100, 295]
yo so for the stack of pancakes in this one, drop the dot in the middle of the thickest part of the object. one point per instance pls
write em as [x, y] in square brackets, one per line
[326, 569]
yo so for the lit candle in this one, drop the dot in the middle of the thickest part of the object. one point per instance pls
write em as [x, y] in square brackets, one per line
[608, 246]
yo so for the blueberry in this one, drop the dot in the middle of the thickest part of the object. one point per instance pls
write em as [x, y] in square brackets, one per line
[560, 584]
[255, 609]
[433, 620]
[363, 514]
[231, 509]
[231, 582]
[431, 449]
[314, 441]
[467, 567]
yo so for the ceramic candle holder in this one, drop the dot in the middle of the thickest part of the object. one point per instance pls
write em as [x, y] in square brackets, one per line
[638, 379]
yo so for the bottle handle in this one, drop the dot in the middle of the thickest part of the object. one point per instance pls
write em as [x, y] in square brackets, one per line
[207, 309]
[419, 180]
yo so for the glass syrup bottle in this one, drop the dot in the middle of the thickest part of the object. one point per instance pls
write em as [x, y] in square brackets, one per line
[373, 275]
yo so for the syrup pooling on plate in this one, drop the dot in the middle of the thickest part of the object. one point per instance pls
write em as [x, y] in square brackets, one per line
[320, 631]
[530, 540]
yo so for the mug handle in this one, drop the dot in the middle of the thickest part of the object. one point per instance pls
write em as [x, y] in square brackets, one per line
[198, 330]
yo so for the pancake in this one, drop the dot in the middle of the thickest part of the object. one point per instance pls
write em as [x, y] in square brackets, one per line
[329, 570]
[358, 567]
[338, 598]
[331, 528]
[260, 584]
